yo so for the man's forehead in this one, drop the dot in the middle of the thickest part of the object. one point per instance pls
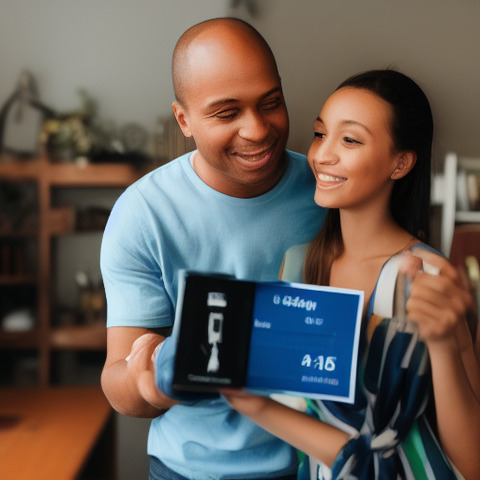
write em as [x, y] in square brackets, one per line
[222, 56]
[215, 101]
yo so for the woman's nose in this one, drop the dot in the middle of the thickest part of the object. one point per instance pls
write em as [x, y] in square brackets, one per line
[323, 152]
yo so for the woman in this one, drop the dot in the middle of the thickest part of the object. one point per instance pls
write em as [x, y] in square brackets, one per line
[371, 157]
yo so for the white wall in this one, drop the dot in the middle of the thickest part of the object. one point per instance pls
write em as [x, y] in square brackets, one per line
[119, 50]
[318, 43]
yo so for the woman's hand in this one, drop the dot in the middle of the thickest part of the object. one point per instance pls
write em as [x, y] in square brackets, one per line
[244, 402]
[438, 302]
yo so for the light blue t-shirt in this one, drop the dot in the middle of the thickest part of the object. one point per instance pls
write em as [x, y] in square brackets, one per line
[171, 220]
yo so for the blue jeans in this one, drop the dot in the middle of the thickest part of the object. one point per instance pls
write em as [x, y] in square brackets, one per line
[159, 471]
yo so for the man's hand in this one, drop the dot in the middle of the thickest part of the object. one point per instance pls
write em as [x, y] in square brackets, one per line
[142, 367]
[164, 360]
[128, 379]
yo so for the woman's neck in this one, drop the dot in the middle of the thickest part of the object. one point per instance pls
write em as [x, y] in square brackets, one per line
[372, 236]
[369, 241]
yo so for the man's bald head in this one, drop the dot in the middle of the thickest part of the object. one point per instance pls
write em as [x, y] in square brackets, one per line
[229, 34]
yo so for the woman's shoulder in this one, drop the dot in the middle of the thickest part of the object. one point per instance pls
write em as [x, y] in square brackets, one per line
[292, 268]
[381, 302]
[425, 246]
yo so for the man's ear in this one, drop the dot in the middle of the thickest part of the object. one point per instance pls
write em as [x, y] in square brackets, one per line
[179, 112]
[406, 161]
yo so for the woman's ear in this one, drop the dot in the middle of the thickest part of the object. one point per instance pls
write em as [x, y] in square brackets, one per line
[179, 112]
[406, 161]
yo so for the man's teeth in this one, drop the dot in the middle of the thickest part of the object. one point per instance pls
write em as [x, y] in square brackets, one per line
[329, 178]
[252, 158]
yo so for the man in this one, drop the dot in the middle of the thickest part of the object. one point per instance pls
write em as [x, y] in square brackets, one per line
[234, 206]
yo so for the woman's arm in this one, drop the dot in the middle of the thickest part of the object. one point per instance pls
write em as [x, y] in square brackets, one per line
[438, 305]
[305, 433]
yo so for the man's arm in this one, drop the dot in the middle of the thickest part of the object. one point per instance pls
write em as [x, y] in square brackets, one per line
[129, 384]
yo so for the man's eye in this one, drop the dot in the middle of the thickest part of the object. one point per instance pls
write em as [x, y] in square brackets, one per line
[272, 104]
[226, 114]
[319, 135]
[351, 140]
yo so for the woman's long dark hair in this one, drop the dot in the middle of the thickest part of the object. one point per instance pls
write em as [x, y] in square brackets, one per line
[412, 129]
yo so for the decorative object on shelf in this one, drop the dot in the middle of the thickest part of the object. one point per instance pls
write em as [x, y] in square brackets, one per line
[81, 136]
[93, 305]
[77, 136]
[67, 136]
[468, 189]
[21, 118]
[456, 190]
[18, 321]
[126, 144]
[134, 137]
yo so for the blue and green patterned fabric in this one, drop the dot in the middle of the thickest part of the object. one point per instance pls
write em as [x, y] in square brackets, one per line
[391, 437]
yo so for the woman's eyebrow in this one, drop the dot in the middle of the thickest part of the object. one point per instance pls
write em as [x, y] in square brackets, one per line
[355, 122]
[347, 122]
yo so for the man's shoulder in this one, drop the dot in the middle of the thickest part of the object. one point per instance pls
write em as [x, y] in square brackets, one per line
[296, 156]
[170, 168]
[164, 175]
[298, 162]
[299, 171]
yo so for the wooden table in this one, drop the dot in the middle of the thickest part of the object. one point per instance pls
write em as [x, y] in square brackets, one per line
[50, 433]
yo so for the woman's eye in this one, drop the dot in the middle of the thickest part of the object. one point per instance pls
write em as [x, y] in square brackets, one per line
[319, 135]
[351, 140]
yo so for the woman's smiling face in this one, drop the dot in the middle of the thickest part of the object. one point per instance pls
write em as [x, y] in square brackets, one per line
[353, 155]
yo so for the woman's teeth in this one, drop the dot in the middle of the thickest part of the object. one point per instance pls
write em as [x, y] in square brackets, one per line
[329, 178]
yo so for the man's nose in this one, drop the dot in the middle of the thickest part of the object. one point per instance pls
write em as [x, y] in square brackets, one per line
[254, 127]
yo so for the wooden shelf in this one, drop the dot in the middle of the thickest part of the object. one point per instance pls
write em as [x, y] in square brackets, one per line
[19, 340]
[92, 175]
[79, 337]
[54, 221]
[70, 174]
[4, 233]
[18, 279]
[19, 171]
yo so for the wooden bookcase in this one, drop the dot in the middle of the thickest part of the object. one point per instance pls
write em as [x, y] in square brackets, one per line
[52, 222]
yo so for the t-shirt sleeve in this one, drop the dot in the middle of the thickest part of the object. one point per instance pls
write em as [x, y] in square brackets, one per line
[130, 268]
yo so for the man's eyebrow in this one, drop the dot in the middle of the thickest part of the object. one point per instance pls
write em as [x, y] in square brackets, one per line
[223, 101]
